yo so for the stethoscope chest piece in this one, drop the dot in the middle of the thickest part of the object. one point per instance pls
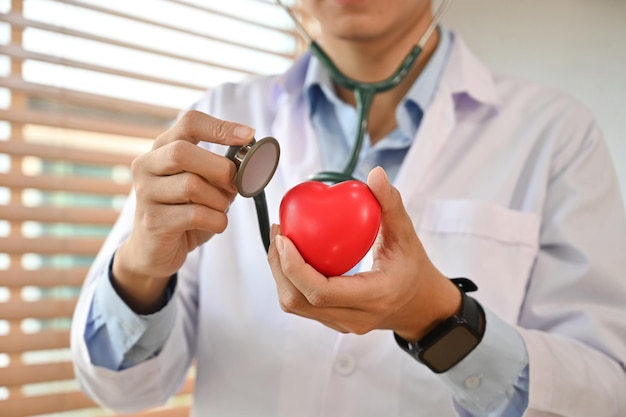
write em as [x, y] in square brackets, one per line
[256, 163]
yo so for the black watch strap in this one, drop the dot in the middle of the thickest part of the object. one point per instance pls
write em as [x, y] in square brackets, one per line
[470, 320]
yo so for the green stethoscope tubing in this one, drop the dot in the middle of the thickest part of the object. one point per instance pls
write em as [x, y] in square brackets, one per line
[364, 93]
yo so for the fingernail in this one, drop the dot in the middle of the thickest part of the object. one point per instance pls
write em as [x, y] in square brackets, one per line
[280, 245]
[385, 177]
[243, 132]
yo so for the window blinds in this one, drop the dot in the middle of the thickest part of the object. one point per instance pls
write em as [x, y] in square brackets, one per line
[84, 87]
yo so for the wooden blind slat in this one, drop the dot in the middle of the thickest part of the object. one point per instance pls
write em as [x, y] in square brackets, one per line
[43, 404]
[64, 95]
[16, 309]
[19, 342]
[16, 212]
[64, 153]
[21, 22]
[216, 11]
[84, 246]
[56, 403]
[19, 374]
[169, 412]
[20, 54]
[60, 183]
[45, 277]
[89, 124]
[178, 29]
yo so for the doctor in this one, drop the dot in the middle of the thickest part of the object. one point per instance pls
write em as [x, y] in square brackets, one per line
[478, 175]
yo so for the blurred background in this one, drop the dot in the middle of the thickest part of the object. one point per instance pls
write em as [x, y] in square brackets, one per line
[577, 46]
[85, 85]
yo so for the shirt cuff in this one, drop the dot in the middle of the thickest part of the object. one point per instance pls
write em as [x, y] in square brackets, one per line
[116, 336]
[493, 378]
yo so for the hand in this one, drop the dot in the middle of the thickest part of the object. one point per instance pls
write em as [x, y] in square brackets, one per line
[182, 194]
[403, 292]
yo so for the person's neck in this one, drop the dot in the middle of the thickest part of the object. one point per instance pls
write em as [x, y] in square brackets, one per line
[371, 64]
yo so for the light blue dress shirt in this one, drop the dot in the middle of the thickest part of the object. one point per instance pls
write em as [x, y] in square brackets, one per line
[117, 338]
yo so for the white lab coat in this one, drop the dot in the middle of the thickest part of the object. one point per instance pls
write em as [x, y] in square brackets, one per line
[506, 182]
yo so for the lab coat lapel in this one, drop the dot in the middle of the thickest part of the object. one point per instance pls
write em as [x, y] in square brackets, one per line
[300, 155]
[429, 142]
[437, 124]
[464, 75]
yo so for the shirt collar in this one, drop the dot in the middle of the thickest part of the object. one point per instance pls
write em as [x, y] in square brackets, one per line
[318, 81]
[464, 74]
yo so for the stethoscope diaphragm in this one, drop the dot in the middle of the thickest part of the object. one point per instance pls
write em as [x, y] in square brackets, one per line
[256, 163]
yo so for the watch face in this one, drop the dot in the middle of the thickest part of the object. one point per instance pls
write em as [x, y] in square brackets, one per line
[450, 348]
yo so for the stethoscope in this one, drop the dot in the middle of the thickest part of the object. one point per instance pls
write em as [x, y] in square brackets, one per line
[257, 161]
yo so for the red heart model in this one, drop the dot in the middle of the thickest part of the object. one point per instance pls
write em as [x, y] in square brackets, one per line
[334, 226]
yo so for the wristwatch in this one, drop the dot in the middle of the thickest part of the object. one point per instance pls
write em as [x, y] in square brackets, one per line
[452, 340]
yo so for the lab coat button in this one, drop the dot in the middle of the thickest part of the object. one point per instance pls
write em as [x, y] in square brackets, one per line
[472, 382]
[345, 364]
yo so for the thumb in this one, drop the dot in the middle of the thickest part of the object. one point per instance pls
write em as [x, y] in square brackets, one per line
[394, 217]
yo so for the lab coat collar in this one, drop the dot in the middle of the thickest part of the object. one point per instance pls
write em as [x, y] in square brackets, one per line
[292, 81]
[466, 74]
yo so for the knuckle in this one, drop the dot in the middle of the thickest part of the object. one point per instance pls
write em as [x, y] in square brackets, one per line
[316, 298]
[289, 267]
[177, 151]
[220, 129]
[136, 166]
[196, 214]
[140, 190]
[190, 185]
[187, 120]
[151, 220]
[290, 302]
[360, 329]
[184, 127]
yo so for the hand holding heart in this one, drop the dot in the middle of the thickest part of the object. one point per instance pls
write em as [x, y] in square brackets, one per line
[403, 292]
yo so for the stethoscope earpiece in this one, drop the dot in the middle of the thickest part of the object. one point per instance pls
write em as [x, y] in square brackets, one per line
[256, 163]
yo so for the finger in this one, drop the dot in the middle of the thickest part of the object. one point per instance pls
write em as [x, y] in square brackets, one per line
[184, 188]
[318, 290]
[311, 305]
[285, 264]
[274, 231]
[291, 300]
[181, 156]
[394, 218]
[180, 218]
[195, 126]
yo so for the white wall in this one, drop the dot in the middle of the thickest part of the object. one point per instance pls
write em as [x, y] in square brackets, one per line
[578, 46]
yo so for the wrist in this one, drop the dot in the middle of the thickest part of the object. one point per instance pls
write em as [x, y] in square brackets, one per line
[444, 301]
[452, 340]
[142, 293]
